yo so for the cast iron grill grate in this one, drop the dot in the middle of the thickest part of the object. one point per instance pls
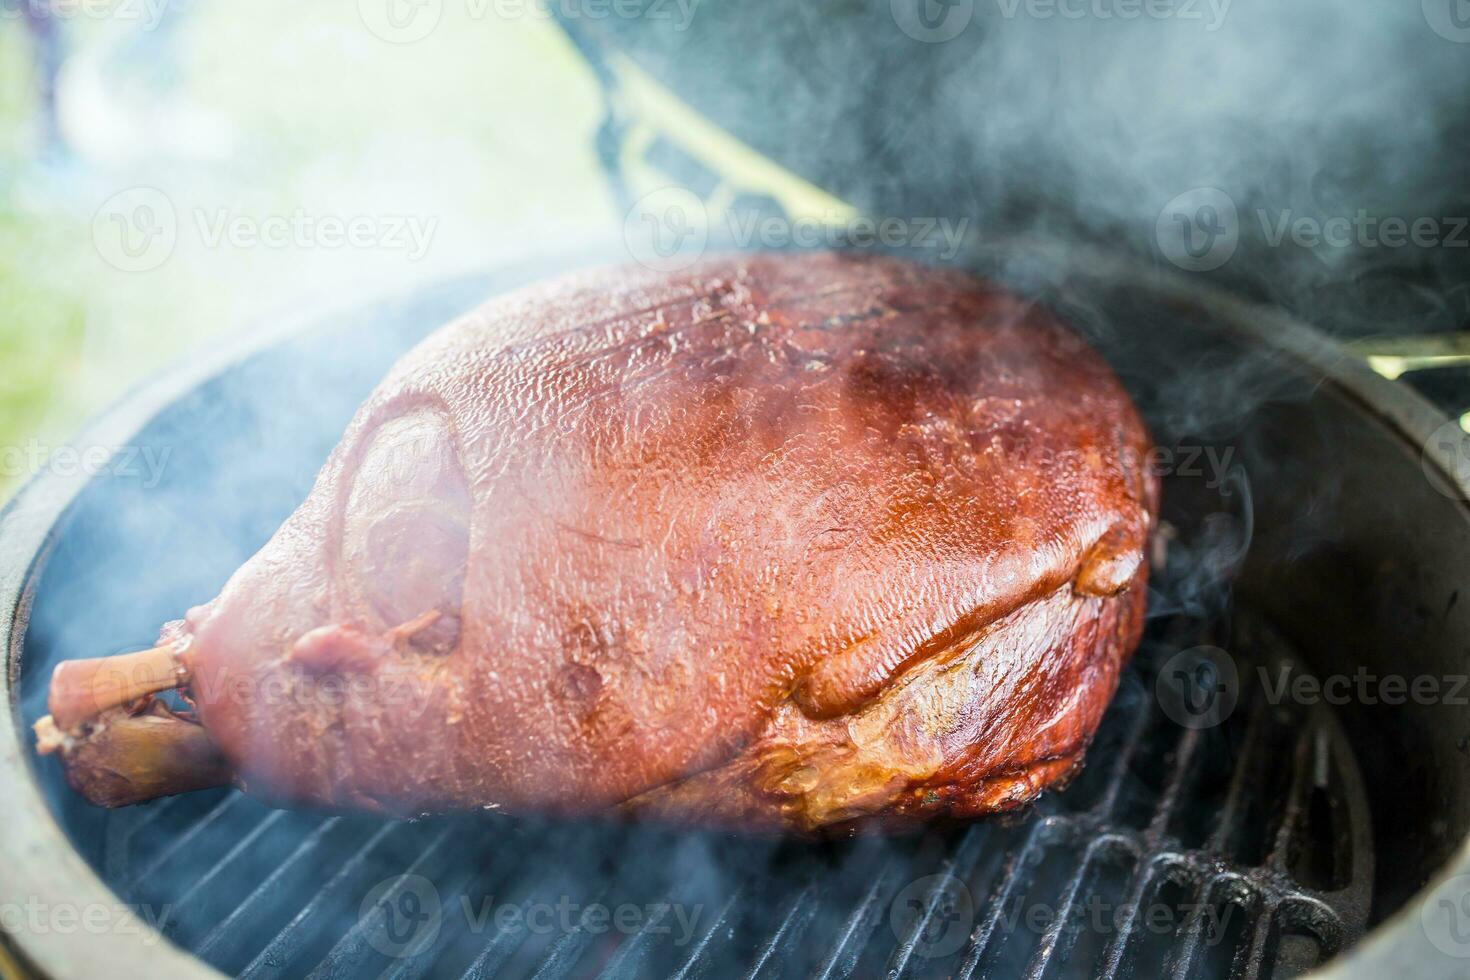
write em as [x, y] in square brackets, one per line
[1236, 850]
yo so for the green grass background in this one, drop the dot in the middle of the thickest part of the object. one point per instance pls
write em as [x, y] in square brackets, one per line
[261, 109]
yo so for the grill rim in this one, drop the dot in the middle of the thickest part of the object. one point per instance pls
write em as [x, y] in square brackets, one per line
[44, 864]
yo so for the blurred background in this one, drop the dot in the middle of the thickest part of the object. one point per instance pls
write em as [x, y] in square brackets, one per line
[172, 171]
[254, 120]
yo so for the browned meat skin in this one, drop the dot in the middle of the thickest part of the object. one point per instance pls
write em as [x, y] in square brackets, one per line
[787, 540]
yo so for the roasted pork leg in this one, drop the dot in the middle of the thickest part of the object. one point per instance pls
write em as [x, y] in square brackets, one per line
[784, 541]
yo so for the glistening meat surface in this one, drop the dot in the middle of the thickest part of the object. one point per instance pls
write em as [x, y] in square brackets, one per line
[781, 541]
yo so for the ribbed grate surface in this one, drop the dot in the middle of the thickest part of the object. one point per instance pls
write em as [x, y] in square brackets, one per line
[1238, 850]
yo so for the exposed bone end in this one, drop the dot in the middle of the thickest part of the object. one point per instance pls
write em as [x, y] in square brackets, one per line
[123, 758]
[50, 738]
[83, 689]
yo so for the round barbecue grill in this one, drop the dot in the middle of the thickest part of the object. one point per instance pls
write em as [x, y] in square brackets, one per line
[1222, 826]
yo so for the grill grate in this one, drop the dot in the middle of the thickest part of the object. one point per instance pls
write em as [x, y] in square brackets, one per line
[1238, 851]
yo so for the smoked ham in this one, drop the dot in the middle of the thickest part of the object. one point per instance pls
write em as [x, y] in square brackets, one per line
[786, 541]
